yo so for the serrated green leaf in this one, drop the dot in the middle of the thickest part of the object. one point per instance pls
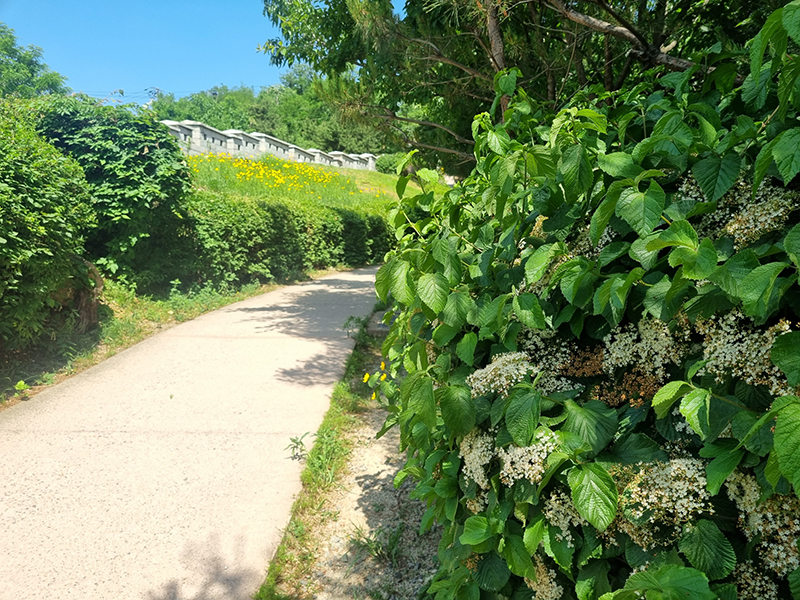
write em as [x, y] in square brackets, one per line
[668, 395]
[443, 334]
[619, 165]
[612, 252]
[696, 264]
[791, 20]
[457, 406]
[763, 162]
[595, 422]
[534, 533]
[522, 415]
[791, 244]
[465, 349]
[787, 154]
[794, 583]
[592, 581]
[517, 557]
[557, 547]
[422, 402]
[716, 175]
[594, 494]
[400, 282]
[730, 275]
[456, 309]
[537, 263]
[433, 290]
[756, 288]
[383, 280]
[641, 210]
[476, 531]
[671, 582]
[679, 233]
[708, 550]
[529, 312]
[637, 448]
[785, 355]
[577, 170]
[493, 572]
[603, 213]
[787, 443]
[724, 463]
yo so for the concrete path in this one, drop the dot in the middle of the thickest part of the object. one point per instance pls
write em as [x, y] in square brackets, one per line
[162, 474]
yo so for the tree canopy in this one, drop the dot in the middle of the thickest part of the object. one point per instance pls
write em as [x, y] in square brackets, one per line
[23, 73]
[440, 57]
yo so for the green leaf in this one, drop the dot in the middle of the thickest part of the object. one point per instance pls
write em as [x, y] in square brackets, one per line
[787, 154]
[671, 582]
[619, 165]
[603, 213]
[697, 264]
[787, 443]
[476, 531]
[522, 415]
[708, 550]
[595, 422]
[383, 280]
[457, 406]
[719, 469]
[730, 275]
[641, 210]
[785, 355]
[577, 170]
[612, 252]
[667, 395]
[400, 282]
[594, 494]
[493, 572]
[716, 175]
[465, 349]
[791, 20]
[679, 233]
[537, 263]
[557, 547]
[517, 557]
[791, 244]
[433, 289]
[592, 581]
[763, 162]
[637, 448]
[756, 289]
[443, 334]
[456, 309]
[422, 402]
[706, 414]
[794, 583]
[526, 307]
[533, 535]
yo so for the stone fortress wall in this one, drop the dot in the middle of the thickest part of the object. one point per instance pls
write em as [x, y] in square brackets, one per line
[199, 138]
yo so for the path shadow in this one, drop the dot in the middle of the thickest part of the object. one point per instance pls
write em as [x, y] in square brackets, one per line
[322, 368]
[212, 580]
[318, 309]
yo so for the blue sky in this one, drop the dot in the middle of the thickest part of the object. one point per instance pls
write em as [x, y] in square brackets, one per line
[179, 46]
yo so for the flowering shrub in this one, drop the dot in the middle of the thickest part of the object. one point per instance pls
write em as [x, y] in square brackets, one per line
[599, 337]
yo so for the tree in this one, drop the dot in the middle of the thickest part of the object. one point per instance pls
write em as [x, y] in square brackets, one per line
[444, 55]
[22, 71]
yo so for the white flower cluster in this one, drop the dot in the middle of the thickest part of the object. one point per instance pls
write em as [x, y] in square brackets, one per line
[499, 376]
[477, 450]
[560, 512]
[581, 245]
[546, 587]
[775, 522]
[479, 503]
[741, 216]
[733, 347]
[527, 462]
[550, 353]
[667, 494]
[648, 344]
[753, 585]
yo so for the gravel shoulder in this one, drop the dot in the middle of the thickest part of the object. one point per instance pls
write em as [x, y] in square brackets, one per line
[370, 546]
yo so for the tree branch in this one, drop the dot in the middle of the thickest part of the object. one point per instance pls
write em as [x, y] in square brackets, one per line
[439, 57]
[393, 116]
[410, 142]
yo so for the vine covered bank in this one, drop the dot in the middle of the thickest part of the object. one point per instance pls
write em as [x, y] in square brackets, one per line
[599, 340]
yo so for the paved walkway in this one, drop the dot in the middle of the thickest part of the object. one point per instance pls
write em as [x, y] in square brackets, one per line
[161, 473]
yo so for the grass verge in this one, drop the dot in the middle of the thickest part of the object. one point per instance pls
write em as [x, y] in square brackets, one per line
[326, 462]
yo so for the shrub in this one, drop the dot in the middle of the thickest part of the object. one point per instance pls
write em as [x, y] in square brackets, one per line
[599, 331]
[43, 207]
[138, 178]
[387, 163]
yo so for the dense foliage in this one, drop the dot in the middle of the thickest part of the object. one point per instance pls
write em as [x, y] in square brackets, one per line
[22, 71]
[137, 176]
[273, 219]
[433, 62]
[599, 330]
[293, 111]
[43, 208]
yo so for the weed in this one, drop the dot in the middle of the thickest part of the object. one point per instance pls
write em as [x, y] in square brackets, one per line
[381, 545]
[298, 447]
